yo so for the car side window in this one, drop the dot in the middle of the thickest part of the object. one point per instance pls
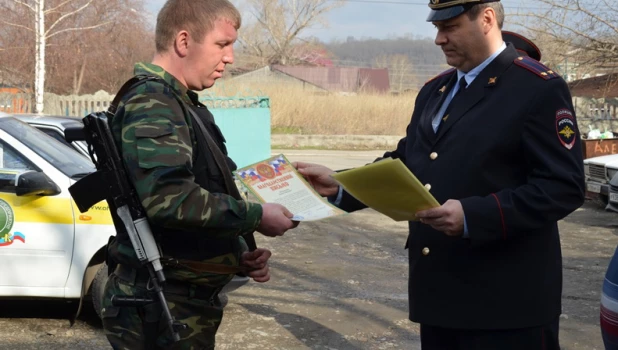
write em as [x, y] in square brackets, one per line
[12, 160]
[55, 134]
[11, 164]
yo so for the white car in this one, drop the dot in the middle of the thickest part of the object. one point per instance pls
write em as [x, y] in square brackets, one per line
[612, 174]
[47, 247]
[55, 127]
[599, 171]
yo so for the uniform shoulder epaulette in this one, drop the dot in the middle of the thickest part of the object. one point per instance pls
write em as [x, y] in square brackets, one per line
[447, 72]
[536, 67]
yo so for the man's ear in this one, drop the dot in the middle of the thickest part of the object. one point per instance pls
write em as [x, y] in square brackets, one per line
[181, 43]
[489, 19]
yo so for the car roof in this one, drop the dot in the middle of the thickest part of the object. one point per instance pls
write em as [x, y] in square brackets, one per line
[60, 121]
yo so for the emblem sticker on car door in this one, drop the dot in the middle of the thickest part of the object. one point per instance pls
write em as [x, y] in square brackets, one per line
[7, 218]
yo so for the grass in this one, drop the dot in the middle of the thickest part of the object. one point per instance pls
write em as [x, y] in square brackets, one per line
[295, 110]
[332, 147]
[286, 130]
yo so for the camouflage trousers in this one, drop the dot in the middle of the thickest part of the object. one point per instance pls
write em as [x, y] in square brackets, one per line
[124, 326]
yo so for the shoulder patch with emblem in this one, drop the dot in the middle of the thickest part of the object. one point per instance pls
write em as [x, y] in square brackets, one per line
[565, 127]
[447, 72]
[536, 67]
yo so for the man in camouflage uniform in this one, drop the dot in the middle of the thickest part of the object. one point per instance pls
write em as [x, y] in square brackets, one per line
[191, 213]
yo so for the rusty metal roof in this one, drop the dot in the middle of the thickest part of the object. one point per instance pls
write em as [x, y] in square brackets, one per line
[342, 79]
[604, 86]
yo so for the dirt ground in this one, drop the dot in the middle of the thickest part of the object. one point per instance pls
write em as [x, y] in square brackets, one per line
[338, 284]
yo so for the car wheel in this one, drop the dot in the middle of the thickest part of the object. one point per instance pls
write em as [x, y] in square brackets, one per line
[98, 288]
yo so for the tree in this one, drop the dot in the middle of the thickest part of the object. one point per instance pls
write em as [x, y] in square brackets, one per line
[102, 58]
[399, 70]
[585, 31]
[276, 26]
[92, 48]
[57, 13]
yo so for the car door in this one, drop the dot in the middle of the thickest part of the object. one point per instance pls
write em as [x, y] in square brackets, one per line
[37, 232]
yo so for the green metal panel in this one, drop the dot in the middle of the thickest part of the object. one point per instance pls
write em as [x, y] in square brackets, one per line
[245, 123]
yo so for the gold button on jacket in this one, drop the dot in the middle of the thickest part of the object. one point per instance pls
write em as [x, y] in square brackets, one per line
[425, 251]
[433, 156]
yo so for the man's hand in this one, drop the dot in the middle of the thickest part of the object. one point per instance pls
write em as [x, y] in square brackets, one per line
[318, 177]
[257, 262]
[449, 218]
[275, 220]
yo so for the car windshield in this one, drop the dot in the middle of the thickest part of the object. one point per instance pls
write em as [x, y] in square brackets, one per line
[62, 157]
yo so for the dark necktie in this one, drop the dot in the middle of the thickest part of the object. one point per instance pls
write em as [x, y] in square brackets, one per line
[462, 86]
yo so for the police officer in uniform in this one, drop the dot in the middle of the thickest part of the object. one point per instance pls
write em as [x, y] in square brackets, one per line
[495, 140]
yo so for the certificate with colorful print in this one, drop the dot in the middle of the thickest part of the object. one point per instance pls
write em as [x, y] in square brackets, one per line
[275, 180]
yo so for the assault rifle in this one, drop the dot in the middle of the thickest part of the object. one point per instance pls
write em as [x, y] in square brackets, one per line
[110, 182]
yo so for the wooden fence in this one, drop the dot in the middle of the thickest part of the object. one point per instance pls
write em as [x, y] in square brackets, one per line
[79, 106]
[15, 103]
[601, 114]
[72, 105]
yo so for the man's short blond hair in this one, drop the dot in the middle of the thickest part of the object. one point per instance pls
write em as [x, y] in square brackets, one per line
[195, 16]
[474, 12]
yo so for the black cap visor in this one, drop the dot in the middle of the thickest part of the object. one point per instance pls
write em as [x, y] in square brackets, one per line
[447, 13]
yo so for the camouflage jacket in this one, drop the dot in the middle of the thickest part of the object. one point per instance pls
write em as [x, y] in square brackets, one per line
[156, 140]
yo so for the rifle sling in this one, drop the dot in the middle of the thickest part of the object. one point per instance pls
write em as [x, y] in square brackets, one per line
[219, 158]
[126, 87]
[214, 149]
[223, 168]
[221, 164]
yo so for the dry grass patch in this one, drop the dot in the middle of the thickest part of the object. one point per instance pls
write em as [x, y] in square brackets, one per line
[296, 110]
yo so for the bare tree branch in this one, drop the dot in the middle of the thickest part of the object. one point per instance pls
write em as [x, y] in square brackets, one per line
[54, 9]
[17, 25]
[584, 33]
[279, 25]
[65, 16]
[77, 29]
[24, 4]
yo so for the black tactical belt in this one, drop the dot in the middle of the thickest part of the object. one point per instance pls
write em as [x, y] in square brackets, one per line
[140, 278]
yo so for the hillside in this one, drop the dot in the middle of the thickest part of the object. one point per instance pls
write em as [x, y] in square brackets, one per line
[411, 61]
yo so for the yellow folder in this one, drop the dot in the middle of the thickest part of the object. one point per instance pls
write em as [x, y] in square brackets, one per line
[389, 187]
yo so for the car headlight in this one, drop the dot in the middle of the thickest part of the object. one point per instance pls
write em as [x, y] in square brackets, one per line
[611, 173]
[587, 169]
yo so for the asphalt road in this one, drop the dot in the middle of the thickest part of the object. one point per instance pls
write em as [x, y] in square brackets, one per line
[338, 284]
[335, 160]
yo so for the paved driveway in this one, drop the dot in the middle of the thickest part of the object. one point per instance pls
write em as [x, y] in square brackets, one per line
[339, 284]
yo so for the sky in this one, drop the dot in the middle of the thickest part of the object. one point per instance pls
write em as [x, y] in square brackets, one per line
[379, 19]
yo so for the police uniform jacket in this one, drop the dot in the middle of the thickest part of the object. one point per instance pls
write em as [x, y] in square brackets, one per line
[510, 151]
